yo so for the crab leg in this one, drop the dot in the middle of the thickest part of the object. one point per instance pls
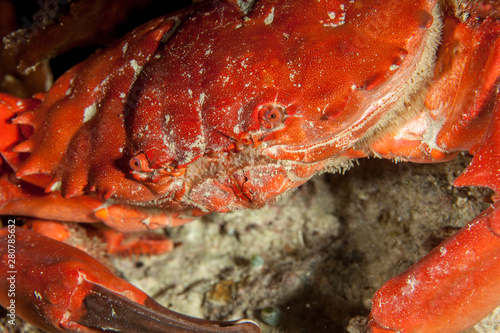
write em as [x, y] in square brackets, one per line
[450, 289]
[59, 288]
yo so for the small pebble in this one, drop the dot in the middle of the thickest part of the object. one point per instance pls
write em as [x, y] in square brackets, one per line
[271, 316]
[257, 260]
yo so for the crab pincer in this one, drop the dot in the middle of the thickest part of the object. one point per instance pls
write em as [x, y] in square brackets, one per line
[60, 288]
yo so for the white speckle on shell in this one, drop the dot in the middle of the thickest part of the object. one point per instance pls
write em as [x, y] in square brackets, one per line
[202, 98]
[55, 187]
[135, 66]
[270, 18]
[89, 112]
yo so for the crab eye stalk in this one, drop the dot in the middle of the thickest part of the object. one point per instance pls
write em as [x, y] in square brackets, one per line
[271, 115]
[139, 163]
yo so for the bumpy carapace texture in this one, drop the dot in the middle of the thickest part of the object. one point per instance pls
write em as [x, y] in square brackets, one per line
[196, 110]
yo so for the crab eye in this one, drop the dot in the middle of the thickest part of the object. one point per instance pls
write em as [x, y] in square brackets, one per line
[271, 115]
[139, 163]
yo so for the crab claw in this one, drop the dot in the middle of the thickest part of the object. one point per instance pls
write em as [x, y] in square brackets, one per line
[64, 289]
[450, 289]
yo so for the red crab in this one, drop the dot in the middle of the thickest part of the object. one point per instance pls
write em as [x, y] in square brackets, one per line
[228, 104]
